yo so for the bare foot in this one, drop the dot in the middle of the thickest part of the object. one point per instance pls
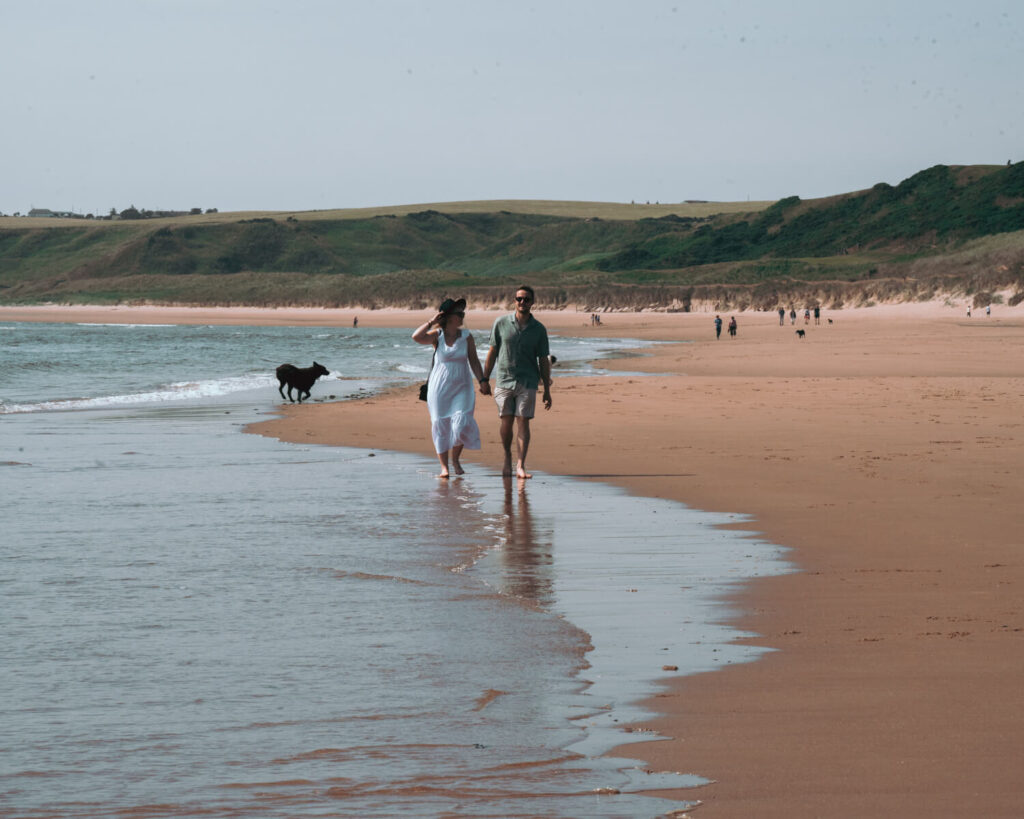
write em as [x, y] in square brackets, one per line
[506, 470]
[458, 468]
[444, 474]
[521, 472]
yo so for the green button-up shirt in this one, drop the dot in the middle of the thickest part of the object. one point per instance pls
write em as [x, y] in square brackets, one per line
[518, 351]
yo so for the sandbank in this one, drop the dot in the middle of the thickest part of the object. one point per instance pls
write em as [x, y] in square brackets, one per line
[885, 449]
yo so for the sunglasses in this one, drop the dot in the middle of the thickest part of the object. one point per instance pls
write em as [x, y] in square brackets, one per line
[523, 298]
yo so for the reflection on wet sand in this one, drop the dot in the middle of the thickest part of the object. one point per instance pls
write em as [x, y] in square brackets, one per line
[455, 505]
[526, 554]
[457, 514]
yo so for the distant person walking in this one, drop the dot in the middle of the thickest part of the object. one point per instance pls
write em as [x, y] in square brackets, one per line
[807, 316]
[451, 398]
[817, 315]
[968, 311]
[718, 327]
[519, 356]
[792, 315]
[988, 310]
[355, 321]
[782, 316]
[732, 326]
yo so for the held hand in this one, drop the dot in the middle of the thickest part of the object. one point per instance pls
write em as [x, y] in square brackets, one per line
[547, 398]
[485, 387]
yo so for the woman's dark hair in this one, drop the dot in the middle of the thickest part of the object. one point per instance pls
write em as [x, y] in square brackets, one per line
[444, 319]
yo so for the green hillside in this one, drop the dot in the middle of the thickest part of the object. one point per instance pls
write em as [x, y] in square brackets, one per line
[936, 221]
[941, 204]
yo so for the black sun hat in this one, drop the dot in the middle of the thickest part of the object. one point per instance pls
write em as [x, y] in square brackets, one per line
[452, 306]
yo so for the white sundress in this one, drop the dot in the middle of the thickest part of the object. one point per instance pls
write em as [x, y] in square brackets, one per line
[451, 397]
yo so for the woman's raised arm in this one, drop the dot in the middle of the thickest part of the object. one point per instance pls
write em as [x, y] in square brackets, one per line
[424, 335]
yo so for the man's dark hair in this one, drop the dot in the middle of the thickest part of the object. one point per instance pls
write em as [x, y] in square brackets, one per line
[528, 289]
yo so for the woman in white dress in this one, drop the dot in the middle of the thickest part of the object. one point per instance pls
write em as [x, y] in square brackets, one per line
[451, 397]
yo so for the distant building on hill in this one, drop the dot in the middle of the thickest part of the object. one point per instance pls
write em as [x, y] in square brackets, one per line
[46, 213]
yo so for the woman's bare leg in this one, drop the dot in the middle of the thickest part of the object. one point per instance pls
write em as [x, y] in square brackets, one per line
[456, 454]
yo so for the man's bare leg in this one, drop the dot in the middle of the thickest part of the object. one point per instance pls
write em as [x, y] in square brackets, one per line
[443, 458]
[456, 454]
[506, 442]
[522, 446]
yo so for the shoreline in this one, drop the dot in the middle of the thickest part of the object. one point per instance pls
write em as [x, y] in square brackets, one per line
[614, 324]
[884, 452]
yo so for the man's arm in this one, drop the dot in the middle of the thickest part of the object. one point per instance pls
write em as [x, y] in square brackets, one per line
[485, 386]
[545, 378]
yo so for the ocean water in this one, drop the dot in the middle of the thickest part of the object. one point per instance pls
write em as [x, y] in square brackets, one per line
[90, 366]
[199, 621]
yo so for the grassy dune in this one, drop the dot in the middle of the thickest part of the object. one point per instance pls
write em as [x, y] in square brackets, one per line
[568, 209]
[946, 229]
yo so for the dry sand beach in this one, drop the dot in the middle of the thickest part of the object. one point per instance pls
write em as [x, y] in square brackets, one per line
[884, 449]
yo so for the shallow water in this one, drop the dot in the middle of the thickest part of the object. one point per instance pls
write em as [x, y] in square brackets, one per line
[91, 366]
[196, 620]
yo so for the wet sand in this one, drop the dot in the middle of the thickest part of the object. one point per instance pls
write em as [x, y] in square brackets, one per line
[886, 450]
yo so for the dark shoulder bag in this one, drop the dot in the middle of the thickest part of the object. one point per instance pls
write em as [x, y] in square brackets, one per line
[423, 386]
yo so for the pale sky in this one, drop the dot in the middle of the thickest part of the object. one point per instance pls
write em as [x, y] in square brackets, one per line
[311, 104]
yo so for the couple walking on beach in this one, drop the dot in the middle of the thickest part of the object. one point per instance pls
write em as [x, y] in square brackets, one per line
[518, 354]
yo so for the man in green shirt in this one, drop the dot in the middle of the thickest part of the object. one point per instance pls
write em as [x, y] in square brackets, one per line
[519, 350]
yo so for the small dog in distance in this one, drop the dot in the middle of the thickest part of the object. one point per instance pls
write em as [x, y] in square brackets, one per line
[801, 333]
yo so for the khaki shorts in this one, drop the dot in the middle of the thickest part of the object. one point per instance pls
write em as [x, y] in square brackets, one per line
[518, 401]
